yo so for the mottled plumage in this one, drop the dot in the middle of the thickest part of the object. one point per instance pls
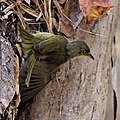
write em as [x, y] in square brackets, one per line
[45, 53]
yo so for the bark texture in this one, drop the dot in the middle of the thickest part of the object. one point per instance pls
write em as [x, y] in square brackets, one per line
[116, 73]
[9, 72]
[80, 89]
[7, 79]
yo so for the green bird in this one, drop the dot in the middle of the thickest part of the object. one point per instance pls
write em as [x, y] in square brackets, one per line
[45, 53]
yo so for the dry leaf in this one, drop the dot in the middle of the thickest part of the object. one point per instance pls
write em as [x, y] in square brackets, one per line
[67, 8]
[93, 10]
[95, 13]
[65, 25]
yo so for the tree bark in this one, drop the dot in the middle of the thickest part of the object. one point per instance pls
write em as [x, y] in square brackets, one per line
[116, 73]
[9, 72]
[7, 80]
[81, 87]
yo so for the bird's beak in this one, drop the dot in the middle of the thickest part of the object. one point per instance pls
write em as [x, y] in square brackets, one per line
[91, 56]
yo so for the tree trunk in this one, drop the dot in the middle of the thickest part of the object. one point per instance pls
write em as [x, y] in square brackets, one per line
[82, 85]
[9, 72]
[9, 68]
[82, 89]
[117, 64]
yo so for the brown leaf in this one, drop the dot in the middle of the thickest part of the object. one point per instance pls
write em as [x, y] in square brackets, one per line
[66, 27]
[65, 24]
[93, 10]
[95, 13]
[67, 8]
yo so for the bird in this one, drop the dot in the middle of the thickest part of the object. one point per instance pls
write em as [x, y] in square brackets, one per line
[45, 53]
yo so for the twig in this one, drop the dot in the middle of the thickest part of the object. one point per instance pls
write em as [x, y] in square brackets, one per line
[92, 33]
[43, 15]
[20, 17]
[45, 9]
[50, 16]
[61, 12]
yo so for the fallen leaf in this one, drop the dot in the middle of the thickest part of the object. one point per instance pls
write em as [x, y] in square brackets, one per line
[93, 10]
[67, 8]
[66, 27]
[65, 24]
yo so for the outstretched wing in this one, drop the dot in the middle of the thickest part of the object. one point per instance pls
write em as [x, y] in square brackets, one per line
[43, 42]
[42, 73]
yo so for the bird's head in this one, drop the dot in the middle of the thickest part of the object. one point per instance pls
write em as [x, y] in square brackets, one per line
[78, 48]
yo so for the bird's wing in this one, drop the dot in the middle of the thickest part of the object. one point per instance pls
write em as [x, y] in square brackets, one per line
[40, 76]
[47, 42]
[51, 44]
[28, 41]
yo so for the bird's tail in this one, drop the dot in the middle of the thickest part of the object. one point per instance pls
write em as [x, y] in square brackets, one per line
[28, 42]
[27, 39]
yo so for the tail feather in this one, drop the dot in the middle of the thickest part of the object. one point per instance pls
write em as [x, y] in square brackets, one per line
[29, 94]
[27, 39]
[31, 91]
[25, 34]
[28, 42]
